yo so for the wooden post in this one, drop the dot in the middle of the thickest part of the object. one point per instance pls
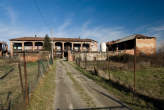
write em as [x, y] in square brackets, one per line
[26, 82]
[38, 69]
[20, 76]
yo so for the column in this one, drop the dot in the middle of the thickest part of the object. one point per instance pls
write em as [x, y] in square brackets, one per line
[62, 49]
[54, 47]
[81, 47]
[33, 46]
[11, 48]
[89, 47]
[72, 46]
[23, 46]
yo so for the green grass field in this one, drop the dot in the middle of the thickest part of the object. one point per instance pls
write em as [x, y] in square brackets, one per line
[11, 83]
[43, 96]
[149, 81]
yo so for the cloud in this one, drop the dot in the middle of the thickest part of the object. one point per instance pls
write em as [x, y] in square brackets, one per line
[12, 14]
[157, 29]
[99, 33]
[9, 31]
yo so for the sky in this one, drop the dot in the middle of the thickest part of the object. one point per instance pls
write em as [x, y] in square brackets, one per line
[101, 20]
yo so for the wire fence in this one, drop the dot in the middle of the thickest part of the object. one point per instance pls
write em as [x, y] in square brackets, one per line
[18, 80]
[141, 75]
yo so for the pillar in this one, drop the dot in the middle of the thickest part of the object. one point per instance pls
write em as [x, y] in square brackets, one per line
[11, 48]
[62, 49]
[23, 49]
[33, 46]
[89, 47]
[72, 46]
[81, 47]
[0, 52]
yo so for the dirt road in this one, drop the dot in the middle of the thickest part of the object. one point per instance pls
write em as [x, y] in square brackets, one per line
[76, 91]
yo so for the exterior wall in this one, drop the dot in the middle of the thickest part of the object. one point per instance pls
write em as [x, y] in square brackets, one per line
[93, 47]
[91, 56]
[146, 46]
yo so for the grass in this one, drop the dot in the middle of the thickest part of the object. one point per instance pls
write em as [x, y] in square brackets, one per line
[135, 103]
[43, 96]
[148, 80]
[11, 83]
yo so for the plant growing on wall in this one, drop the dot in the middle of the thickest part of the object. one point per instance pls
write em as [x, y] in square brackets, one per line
[47, 43]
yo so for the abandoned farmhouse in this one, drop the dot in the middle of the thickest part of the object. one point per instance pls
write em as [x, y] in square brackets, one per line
[143, 44]
[3, 48]
[60, 45]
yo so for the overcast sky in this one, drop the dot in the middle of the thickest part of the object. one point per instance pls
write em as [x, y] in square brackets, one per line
[102, 20]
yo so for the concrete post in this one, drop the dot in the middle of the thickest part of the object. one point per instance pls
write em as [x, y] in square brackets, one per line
[23, 46]
[11, 48]
[72, 46]
[89, 47]
[33, 46]
[62, 49]
[81, 47]
[0, 52]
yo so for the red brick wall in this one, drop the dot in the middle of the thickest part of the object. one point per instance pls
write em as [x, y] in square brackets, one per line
[146, 46]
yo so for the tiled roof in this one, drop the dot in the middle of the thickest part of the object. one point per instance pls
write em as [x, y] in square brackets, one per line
[28, 39]
[2, 42]
[139, 36]
[54, 39]
[72, 39]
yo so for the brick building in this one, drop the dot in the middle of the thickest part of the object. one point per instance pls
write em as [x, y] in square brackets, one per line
[60, 45]
[144, 45]
[3, 48]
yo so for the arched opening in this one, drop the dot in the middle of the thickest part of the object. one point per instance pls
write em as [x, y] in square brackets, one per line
[76, 47]
[58, 46]
[28, 45]
[38, 45]
[58, 49]
[85, 47]
[67, 46]
[17, 46]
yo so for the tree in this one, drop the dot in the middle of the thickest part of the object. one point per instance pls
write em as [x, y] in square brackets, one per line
[47, 43]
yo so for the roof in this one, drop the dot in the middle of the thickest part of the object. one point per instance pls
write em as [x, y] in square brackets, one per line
[54, 39]
[28, 39]
[2, 42]
[73, 39]
[131, 37]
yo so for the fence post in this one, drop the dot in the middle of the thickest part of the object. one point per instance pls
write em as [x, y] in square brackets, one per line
[26, 82]
[20, 76]
[108, 65]
[85, 61]
[38, 69]
[134, 86]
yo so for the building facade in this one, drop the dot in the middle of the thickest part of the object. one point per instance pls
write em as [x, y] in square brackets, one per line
[60, 45]
[144, 45]
[3, 48]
